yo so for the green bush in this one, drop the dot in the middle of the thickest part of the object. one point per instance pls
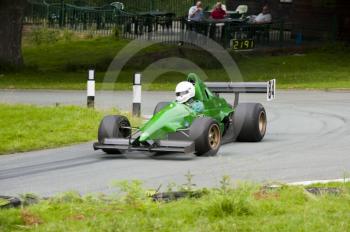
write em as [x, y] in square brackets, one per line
[236, 202]
[116, 33]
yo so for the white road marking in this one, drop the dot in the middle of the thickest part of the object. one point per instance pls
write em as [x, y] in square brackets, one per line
[309, 182]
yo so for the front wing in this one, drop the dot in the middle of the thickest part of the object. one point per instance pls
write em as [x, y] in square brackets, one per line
[158, 146]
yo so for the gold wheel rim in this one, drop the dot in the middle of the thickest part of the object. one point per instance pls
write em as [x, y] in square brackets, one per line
[262, 123]
[214, 136]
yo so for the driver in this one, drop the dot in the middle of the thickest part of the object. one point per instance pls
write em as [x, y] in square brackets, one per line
[185, 93]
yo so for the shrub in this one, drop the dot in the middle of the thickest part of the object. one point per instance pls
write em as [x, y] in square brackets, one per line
[231, 202]
[116, 33]
[132, 191]
[68, 197]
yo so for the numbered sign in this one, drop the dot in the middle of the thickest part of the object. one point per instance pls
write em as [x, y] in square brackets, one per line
[242, 44]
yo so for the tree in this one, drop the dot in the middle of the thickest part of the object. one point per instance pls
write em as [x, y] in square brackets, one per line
[11, 23]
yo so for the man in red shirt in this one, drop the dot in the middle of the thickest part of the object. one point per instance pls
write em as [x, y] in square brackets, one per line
[218, 12]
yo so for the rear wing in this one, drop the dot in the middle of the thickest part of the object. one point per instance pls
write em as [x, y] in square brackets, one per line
[268, 87]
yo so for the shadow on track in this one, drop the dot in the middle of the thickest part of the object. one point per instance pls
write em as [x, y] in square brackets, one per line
[150, 156]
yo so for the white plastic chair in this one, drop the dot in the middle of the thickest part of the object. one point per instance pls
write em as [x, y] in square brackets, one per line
[242, 9]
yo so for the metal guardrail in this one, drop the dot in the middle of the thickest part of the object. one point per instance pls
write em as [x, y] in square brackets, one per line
[175, 29]
[64, 14]
[62, 10]
[156, 20]
[162, 26]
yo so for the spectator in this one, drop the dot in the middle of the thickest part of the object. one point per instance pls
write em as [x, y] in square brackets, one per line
[218, 12]
[196, 12]
[263, 17]
[223, 6]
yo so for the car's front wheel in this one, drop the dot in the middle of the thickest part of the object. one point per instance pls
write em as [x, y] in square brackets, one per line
[113, 126]
[206, 134]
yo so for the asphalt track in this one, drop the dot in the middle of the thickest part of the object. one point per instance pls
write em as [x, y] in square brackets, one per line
[308, 137]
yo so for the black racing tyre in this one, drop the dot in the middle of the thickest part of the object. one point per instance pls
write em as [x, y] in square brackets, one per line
[111, 127]
[160, 106]
[249, 122]
[206, 134]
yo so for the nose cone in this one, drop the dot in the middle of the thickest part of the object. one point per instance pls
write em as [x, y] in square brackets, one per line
[144, 136]
[166, 121]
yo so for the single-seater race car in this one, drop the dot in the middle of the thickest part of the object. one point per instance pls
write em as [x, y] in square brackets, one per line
[199, 121]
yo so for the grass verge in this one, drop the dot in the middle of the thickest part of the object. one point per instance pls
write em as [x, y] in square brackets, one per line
[26, 127]
[246, 207]
[64, 64]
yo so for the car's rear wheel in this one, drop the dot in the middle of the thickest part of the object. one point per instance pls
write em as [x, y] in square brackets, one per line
[250, 122]
[160, 106]
[206, 134]
[113, 126]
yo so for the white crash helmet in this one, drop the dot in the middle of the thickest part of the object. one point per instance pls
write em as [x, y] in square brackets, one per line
[184, 91]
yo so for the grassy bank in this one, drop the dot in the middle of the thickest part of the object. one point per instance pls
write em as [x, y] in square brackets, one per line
[63, 65]
[244, 208]
[25, 128]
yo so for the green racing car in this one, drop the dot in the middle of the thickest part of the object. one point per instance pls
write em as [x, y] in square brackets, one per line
[199, 121]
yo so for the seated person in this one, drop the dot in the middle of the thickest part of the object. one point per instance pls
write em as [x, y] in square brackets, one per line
[263, 17]
[185, 93]
[196, 12]
[218, 12]
[223, 6]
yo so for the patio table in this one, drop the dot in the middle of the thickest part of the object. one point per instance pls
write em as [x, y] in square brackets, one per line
[150, 18]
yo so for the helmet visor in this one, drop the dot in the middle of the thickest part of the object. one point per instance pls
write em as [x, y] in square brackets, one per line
[182, 93]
